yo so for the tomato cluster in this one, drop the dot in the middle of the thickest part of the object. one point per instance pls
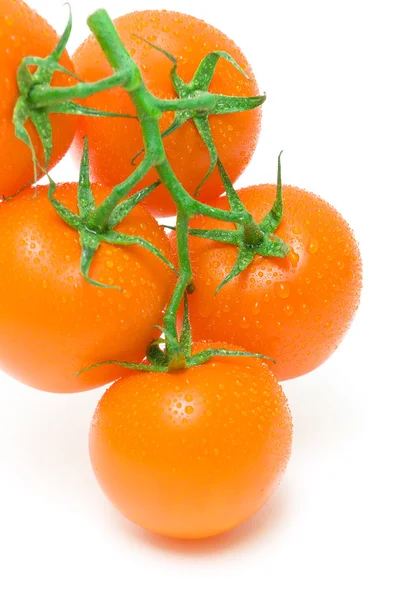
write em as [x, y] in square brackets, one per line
[192, 438]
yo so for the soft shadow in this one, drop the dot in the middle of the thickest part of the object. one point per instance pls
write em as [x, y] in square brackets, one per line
[263, 525]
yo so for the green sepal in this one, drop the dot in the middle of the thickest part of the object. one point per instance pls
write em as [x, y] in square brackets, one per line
[126, 365]
[90, 243]
[90, 239]
[273, 219]
[203, 127]
[167, 54]
[36, 61]
[226, 105]
[251, 239]
[39, 117]
[124, 208]
[70, 218]
[20, 116]
[244, 259]
[86, 203]
[41, 121]
[205, 71]
[69, 107]
[235, 202]
[206, 355]
[122, 239]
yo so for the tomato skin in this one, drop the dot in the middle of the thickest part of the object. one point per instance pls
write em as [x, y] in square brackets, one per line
[189, 40]
[193, 453]
[24, 33]
[297, 309]
[52, 322]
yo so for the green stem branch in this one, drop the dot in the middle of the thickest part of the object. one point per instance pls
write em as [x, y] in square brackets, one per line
[46, 95]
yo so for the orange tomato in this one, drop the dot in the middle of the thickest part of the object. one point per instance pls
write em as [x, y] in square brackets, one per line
[52, 322]
[192, 453]
[113, 144]
[24, 33]
[297, 309]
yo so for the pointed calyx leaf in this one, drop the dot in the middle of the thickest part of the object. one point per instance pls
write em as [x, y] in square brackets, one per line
[252, 239]
[205, 71]
[38, 98]
[206, 355]
[273, 219]
[125, 365]
[195, 102]
[204, 129]
[24, 110]
[91, 235]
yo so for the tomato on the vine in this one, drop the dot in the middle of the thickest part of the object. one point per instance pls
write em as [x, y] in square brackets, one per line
[115, 143]
[53, 323]
[24, 33]
[296, 309]
[192, 453]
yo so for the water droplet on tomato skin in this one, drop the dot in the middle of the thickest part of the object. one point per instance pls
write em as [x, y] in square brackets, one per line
[293, 258]
[288, 310]
[282, 289]
[244, 324]
[312, 246]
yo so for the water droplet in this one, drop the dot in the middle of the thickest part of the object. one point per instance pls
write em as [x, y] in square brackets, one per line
[288, 310]
[328, 325]
[282, 289]
[244, 324]
[312, 246]
[304, 308]
[293, 258]
[256, 309]
[340, 265]
[205, 311]
[189, 410]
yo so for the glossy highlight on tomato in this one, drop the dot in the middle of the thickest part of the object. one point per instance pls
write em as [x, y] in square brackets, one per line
[114, 144]
[24, 33]
[296, 310]
[52, 322]
[192, 453]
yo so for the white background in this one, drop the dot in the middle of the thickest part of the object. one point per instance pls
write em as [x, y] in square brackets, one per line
[331, 72]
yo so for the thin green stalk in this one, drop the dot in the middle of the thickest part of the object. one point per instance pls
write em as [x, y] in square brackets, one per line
[204, 101]
[185, 274]
[46, 95]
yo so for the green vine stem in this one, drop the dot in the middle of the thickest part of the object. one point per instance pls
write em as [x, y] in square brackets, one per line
[149, 110]
[95, 224]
